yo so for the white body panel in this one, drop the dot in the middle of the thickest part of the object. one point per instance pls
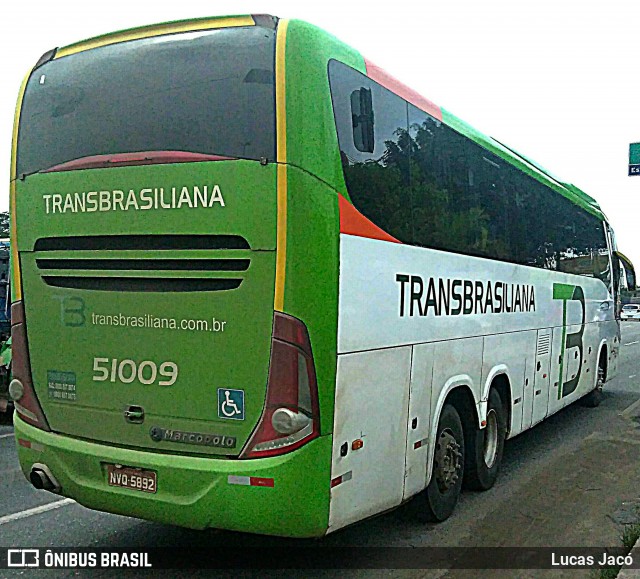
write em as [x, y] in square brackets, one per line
[539, 400]
[373, 396]
[402, 350]
[457, 363]
[419, 419]
[369, 296]
[503, 353]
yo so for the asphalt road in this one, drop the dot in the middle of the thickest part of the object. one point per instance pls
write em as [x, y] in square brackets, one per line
[533, 462]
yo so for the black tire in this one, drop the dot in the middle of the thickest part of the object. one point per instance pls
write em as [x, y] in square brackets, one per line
[485, 447]
[440, 497]
[593, 399]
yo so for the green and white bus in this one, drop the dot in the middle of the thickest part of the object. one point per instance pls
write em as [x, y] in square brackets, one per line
[261, 285]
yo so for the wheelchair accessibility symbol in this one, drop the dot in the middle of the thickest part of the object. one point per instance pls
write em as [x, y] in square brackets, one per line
[230, 403]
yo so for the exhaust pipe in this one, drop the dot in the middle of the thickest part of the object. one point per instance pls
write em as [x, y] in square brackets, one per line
[42, 478]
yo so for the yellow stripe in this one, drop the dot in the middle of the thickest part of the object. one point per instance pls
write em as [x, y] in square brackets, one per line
[156, 30]
[15, 264]
[281, 130]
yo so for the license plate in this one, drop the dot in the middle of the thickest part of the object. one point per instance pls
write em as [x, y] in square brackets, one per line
[135, 479]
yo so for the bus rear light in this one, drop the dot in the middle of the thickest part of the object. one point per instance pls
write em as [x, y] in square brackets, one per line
[291, 414]
[27, 406]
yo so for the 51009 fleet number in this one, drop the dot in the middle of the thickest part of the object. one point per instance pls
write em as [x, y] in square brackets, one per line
[127, 371]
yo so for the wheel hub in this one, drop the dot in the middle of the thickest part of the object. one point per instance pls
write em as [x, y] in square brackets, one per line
[491, 438]
[448, 463]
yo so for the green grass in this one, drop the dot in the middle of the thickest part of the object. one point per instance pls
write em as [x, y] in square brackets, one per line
[610, 573]
[630, 534]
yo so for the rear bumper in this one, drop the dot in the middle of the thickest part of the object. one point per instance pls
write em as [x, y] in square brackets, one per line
[192, 492]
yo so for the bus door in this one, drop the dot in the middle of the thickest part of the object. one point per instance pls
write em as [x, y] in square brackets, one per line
[536, 399]
[419, 419]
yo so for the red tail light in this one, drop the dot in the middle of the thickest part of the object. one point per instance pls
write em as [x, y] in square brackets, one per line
[27, 405]
[291, 416]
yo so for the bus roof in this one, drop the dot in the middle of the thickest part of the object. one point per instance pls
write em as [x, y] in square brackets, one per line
[568, 190]
[173, 27]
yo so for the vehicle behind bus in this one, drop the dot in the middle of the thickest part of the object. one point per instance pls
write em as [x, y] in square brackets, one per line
[5, 327]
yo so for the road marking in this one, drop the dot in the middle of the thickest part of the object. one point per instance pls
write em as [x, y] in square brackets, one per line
[35, 511]
[7, 435]
[631, 343]
[605, 438]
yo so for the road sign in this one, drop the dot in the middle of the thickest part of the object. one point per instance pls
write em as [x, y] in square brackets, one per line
[634, 159]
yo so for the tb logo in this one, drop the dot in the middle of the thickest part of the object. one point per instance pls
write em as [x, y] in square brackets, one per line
[71, 311]
[569, 293]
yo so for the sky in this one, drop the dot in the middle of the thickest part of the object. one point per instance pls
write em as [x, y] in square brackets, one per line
[557, 80]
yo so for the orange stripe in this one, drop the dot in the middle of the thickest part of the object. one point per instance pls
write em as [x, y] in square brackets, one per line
[352, 222]
[393, 84]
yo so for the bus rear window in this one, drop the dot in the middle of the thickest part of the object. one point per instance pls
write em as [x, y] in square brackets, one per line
[209, 92]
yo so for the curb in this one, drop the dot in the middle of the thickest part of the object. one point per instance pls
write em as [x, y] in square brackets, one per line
[629, 573]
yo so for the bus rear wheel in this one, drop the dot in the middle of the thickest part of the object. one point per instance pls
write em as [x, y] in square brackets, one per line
[486, 445]
[593, 399]
[443, 491]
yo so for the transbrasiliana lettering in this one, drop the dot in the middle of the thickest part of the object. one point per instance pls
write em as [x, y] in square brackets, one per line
[134, 199]
[453, 297]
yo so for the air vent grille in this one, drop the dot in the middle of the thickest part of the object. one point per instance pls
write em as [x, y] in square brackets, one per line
[544, 344]
[144, 263]
[140, 242]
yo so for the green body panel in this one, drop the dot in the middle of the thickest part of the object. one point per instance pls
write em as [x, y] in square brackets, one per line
[310, 124]
[236, 357]
[313, 220]
[311, 292]
[193, 492]
[248, 189]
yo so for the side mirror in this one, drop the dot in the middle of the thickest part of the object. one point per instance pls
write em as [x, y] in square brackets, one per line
[362, 120]
[630, 272]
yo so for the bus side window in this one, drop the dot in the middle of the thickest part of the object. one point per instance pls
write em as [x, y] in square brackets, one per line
[375, 163]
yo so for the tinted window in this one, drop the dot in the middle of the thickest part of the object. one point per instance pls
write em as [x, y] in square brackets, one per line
[204, 92]
[583, 250]
[461, 202]
[377, 180]
[428, 185]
